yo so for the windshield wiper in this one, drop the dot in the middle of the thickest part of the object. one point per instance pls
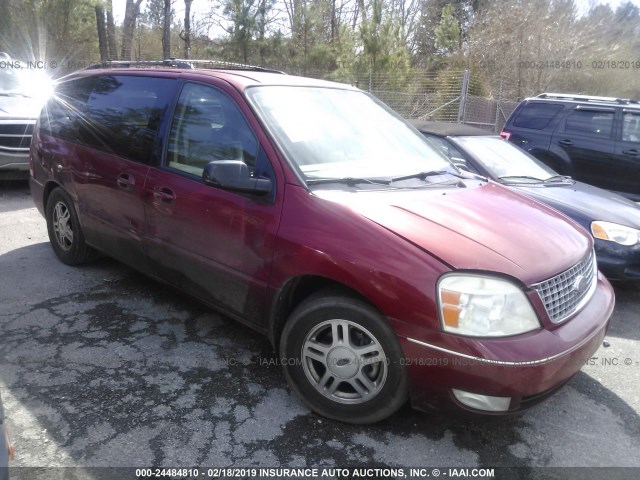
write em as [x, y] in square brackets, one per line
[507, 178]
[421, 175]
[558, 179]
[350, 181]
[554, 179]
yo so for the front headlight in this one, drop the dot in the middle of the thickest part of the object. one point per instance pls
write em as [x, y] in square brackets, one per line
[615, 233]
[481, 306]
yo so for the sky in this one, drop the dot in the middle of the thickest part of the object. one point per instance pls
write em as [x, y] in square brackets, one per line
[583, 5]
[198, 6]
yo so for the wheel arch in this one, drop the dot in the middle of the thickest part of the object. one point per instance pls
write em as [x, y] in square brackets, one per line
[46, 192]
[294, 292]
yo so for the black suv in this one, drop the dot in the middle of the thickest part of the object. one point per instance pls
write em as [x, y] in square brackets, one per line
[594, 139]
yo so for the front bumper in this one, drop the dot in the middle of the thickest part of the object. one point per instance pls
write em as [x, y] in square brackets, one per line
[14, 166]
[618, 262]
[526, 368]
[6, 451]
[15, 139]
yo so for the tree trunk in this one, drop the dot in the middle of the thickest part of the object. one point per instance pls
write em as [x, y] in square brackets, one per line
[297, 19]
[333, 20]
[166, 30]
[363, 10]
[262, 26]
[111, 33]
[102, 34]
[128, 26]
[187, 28]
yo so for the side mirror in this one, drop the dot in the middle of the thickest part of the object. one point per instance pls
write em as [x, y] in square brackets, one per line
[234, 175]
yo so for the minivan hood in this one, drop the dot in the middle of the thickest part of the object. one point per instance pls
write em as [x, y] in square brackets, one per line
[586, 203]
[483, 227]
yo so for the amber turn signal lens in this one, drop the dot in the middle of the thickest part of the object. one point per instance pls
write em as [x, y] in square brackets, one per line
[450, 301]
[599, 232]
[451, 314]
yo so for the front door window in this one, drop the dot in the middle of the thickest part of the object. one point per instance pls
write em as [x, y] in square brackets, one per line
[208, 126]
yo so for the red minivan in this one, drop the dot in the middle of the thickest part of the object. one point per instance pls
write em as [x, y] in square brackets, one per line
[314, 214]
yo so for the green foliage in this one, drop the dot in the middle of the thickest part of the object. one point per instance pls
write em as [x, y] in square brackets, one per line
[242, 23]
[448, 32]
[376, 44]
[50, 29]
[153, 15]
[381, 51]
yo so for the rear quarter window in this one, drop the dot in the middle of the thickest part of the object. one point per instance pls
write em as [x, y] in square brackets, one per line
[536, 115]
[63, 112]
[124, 114]
[631, 127]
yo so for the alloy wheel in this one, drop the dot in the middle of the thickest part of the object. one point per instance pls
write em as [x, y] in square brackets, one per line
[62, 227]
[344, 361]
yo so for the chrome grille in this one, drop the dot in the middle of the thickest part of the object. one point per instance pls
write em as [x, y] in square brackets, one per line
[564, 294]
[15, 136]
[16, 129]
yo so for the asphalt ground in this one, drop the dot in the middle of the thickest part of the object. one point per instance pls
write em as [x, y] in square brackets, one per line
[102, 367]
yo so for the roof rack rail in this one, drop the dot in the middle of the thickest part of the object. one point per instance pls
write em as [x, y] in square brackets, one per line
[588, 98]
[171, 62]
[181, 63]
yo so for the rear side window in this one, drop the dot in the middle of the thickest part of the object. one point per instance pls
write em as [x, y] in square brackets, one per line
[63, 112]
[536, 115]
[594, 123]
[123, 115]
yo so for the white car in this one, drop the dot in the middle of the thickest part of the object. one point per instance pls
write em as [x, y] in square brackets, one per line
[6, 448]
[22, 94]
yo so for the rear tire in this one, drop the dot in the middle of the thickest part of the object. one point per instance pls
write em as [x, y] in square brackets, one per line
[65, 233]
[342, 357]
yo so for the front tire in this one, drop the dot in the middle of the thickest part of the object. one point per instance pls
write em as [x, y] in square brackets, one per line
[65, 233]
[343, 358]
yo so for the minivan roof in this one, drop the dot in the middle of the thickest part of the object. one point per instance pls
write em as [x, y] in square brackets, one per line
[241, 79]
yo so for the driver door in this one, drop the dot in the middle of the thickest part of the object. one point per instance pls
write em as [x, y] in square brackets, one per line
[213, 243]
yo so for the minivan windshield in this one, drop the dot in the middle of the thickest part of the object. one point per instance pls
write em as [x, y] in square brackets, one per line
[332, 133]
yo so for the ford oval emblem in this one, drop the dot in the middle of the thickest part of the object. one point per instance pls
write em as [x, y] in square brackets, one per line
[580, 285]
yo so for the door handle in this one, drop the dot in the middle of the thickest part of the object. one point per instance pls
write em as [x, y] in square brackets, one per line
[566, 143]
[126, 182]
[164, 195]
[632, 153]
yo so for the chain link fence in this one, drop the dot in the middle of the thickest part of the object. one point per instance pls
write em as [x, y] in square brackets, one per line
[485, 109]
[450, 96]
